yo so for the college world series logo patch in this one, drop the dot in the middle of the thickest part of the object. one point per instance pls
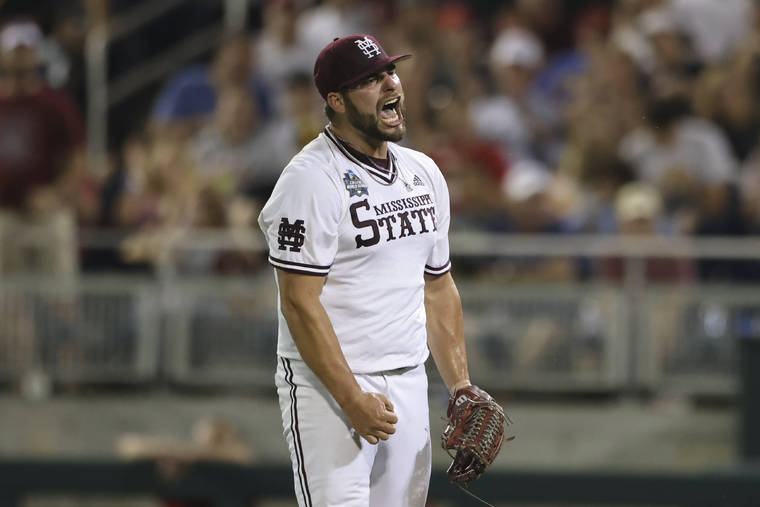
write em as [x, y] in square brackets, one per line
[354, 184]
[291, 235]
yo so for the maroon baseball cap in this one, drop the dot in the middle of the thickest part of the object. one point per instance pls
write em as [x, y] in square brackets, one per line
[348, 60]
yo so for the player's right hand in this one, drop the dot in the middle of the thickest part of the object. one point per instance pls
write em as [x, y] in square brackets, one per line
[372, 416]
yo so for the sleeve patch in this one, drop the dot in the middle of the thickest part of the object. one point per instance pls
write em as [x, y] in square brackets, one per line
[291, 236]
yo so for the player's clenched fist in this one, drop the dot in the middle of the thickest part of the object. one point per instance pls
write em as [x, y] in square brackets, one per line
[372, 416]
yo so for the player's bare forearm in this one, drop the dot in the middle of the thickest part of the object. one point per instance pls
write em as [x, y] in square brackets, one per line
[314, 335]
[445, 330]
[371, 414]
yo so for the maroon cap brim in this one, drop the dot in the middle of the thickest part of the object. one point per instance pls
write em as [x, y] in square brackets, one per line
[376, 67]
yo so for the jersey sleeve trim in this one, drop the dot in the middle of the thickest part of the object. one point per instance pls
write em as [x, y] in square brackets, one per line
[430, 270]
[297, 267]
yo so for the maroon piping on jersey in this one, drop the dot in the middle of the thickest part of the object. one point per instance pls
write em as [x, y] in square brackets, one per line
[297, 445]
[386, 176]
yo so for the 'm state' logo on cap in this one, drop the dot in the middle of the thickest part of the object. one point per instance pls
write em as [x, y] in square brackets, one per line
[368, 47]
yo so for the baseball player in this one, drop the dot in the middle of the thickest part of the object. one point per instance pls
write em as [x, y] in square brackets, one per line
[357, 229]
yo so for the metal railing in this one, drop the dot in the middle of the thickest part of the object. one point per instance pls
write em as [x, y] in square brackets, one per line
[88, 329]
[578, 335]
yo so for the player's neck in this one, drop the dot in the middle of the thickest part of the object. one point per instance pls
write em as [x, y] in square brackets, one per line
[376, 148]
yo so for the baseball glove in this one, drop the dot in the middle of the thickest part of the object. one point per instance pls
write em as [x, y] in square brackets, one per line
[474, 433]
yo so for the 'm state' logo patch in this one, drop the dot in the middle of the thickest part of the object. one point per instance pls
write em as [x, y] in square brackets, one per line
[354, 184]
[368, 47]
[291, 235]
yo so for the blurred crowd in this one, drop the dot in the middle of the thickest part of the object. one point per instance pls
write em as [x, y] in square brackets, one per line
[551, 117]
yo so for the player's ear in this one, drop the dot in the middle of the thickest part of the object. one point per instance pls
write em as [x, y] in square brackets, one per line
[336, 102]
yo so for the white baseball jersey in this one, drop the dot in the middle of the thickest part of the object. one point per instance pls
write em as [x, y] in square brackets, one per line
[373, 233]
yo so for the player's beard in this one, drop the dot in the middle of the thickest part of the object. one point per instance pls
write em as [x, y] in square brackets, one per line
[368, 123]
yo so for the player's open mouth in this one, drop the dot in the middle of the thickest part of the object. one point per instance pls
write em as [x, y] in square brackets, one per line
[390, 114]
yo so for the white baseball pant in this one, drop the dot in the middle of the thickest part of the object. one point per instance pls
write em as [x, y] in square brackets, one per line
[332, 465]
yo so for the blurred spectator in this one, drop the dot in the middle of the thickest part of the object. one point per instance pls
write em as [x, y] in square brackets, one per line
[715, 28]
[212, 439]
[321, 23]
[457, 48]
[611, 89]
[63, 51]
[513, 115]
[158, 198]
[239, 149]
[303, 109]
[531, 209]
[626, 35]
[474, 168]
[676, 64]
[604, 106]
[131, 160]
[41, 133]
[412, 32]
[556, 82]
[545, 18]
[684, 156]
[727, 96]
[528, 188]
[43, 187]
[639, 210]
[280, 49]
[158, 183]
[190, 95]
[589, 204]
[164, 197]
